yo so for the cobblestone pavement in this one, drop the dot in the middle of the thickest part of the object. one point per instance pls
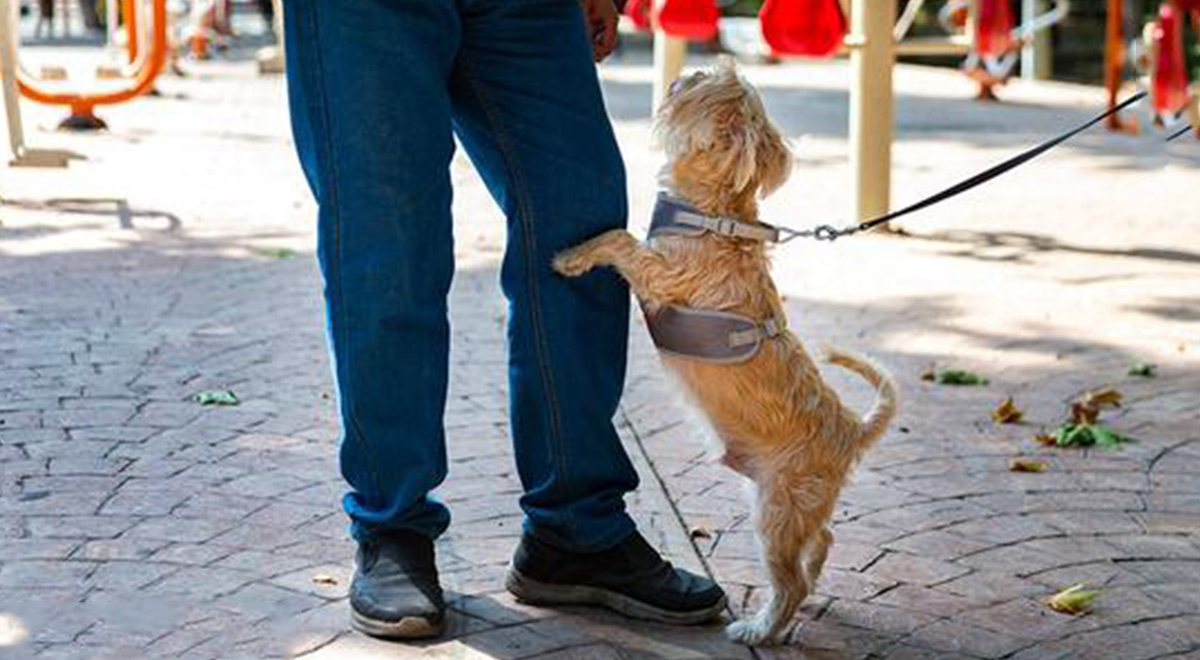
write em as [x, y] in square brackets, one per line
[175, 257]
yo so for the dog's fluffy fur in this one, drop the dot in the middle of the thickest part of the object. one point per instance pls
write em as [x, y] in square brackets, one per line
[781, 425]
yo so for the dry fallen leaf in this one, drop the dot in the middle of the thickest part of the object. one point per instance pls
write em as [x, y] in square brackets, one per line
[1086, 409]
[1073, 600]
[700, 533]
[1027, 465]
[1106, 398]
[1082, 414]
[322, 578]
[1046, 439]
[929, 373]
[1007, 412]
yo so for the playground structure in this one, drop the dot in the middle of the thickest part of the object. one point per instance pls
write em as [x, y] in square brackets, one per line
[1155, 56]
[873, 38]
[147, 47]
[140, 34]
[984, 31]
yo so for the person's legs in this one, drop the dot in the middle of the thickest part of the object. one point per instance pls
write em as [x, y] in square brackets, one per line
[528, 109]
[370, 108]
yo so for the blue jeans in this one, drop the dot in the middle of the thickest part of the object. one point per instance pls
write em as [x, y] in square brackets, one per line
[378, 89]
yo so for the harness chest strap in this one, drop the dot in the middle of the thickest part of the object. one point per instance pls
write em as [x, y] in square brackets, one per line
[709, 336]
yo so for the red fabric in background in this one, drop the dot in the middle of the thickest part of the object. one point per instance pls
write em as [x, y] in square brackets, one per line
[814, 28]
[638, 11]
[689, 19]
[993, 28]
[1170, 83]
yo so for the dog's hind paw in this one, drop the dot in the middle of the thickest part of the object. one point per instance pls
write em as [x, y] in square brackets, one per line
[753, 631]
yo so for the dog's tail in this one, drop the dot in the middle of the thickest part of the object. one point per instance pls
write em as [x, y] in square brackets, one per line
[886, 392]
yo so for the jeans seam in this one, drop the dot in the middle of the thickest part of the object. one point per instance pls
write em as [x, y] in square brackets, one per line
[332, 197]
[524, 213]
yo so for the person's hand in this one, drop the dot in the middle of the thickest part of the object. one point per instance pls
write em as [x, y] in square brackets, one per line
[601, 19]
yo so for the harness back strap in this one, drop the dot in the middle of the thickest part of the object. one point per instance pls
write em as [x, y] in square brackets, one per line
[709, 336]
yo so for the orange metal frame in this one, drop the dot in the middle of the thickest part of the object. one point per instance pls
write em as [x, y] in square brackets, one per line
[83, 105]
[1114, 61]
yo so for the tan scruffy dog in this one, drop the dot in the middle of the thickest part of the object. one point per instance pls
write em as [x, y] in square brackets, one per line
[781, 425]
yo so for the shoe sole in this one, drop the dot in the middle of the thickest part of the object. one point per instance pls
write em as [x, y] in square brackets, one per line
[533, 592]
[409, 627]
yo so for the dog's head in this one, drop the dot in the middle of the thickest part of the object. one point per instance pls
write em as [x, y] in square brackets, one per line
[715, 131]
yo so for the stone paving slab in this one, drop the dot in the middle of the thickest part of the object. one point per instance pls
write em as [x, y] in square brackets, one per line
[135, 523]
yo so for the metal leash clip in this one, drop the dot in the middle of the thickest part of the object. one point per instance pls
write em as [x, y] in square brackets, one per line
[831, 233]
[820, 232]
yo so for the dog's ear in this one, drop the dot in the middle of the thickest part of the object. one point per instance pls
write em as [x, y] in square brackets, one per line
[760, 157]
[774, 161]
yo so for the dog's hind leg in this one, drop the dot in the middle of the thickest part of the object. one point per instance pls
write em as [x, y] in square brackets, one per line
[815, 554]
[784, 536]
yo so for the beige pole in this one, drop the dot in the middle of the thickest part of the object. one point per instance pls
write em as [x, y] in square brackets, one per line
[12, 95]
[871, 112]
[670, 54]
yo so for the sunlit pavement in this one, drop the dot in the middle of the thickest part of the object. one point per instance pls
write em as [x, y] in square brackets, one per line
[175, 256]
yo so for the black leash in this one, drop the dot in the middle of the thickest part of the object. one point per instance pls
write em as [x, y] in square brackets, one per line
[830, 233]
[1176, 134]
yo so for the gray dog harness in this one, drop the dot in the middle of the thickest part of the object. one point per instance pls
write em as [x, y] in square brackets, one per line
[706, 335]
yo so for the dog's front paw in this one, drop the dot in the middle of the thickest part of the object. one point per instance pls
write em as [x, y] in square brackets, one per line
[754, 631]
[572, 263]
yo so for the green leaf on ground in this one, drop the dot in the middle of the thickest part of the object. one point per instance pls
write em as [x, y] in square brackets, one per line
[216, 398]
[275, 253]
[1073, 600]
[959, 377]
[1143, 370]
[1072, 434]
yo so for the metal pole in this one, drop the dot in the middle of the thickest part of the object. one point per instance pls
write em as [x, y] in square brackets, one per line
[670, 54]
[112, 21]
[1035, 54]
[271, 59]
[12, 95]
[871, 112]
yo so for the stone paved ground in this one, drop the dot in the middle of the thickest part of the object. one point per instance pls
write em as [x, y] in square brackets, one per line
[134, 523]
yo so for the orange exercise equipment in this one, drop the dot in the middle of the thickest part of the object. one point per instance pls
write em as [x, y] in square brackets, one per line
[994, 28]
[83, 106]
[638, 11]
[1169, 78]
[688, 19]
[1114, 64]
[1162, 60]
[814, 28]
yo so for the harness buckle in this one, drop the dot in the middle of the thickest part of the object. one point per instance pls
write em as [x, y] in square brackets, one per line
[727, 227]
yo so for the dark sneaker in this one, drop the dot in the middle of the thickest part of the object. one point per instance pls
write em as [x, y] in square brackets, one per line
[631, 579]
[395, 593]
